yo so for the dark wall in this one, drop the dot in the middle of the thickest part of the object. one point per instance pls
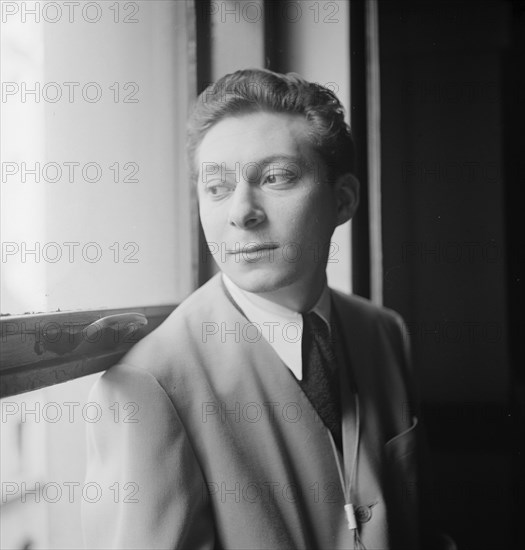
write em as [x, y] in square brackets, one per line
[446, 172]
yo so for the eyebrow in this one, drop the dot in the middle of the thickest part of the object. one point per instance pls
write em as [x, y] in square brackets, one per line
[271, 159]
[275, 159]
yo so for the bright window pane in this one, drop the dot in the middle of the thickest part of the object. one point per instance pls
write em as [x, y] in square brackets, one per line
[95, 205]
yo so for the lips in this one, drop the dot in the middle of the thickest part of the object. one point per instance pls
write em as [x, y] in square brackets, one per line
[251, 248]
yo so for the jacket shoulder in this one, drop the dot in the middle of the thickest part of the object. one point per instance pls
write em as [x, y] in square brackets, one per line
[174, 342]
[365, 311]
[374, 326]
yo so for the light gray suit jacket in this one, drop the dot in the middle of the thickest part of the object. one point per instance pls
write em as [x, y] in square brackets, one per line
[220, 447]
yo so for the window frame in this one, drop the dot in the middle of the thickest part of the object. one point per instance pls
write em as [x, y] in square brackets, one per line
[23, 369]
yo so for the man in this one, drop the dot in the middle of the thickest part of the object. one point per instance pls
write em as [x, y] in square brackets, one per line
[273, 412]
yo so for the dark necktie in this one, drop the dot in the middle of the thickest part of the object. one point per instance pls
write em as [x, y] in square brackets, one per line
[320, 375]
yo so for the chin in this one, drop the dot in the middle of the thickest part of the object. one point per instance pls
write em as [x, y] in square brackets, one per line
[261, 281]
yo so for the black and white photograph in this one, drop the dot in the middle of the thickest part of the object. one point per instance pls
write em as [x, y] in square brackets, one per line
[262, 274]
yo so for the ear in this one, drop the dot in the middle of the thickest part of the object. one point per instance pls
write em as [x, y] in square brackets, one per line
[347, 195]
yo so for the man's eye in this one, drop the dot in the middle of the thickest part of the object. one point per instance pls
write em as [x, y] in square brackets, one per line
[277, 177]
[217, 190]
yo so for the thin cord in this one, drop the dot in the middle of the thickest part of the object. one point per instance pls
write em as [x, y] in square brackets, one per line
[347, 489]
[356, 446]
[341, 477]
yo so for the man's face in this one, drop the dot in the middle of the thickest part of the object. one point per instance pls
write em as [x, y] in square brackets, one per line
[266, 209]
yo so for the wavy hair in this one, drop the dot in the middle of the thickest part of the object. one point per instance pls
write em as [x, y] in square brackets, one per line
[260, 90]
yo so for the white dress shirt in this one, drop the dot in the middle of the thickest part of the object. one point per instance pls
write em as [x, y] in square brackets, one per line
[281, 327]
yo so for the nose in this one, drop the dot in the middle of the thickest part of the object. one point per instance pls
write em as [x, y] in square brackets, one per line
[245, 210]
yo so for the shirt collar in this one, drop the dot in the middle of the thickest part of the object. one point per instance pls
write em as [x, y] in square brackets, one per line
[280, 318]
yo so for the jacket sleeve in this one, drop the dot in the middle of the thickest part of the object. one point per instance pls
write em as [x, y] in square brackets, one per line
[144, 486]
